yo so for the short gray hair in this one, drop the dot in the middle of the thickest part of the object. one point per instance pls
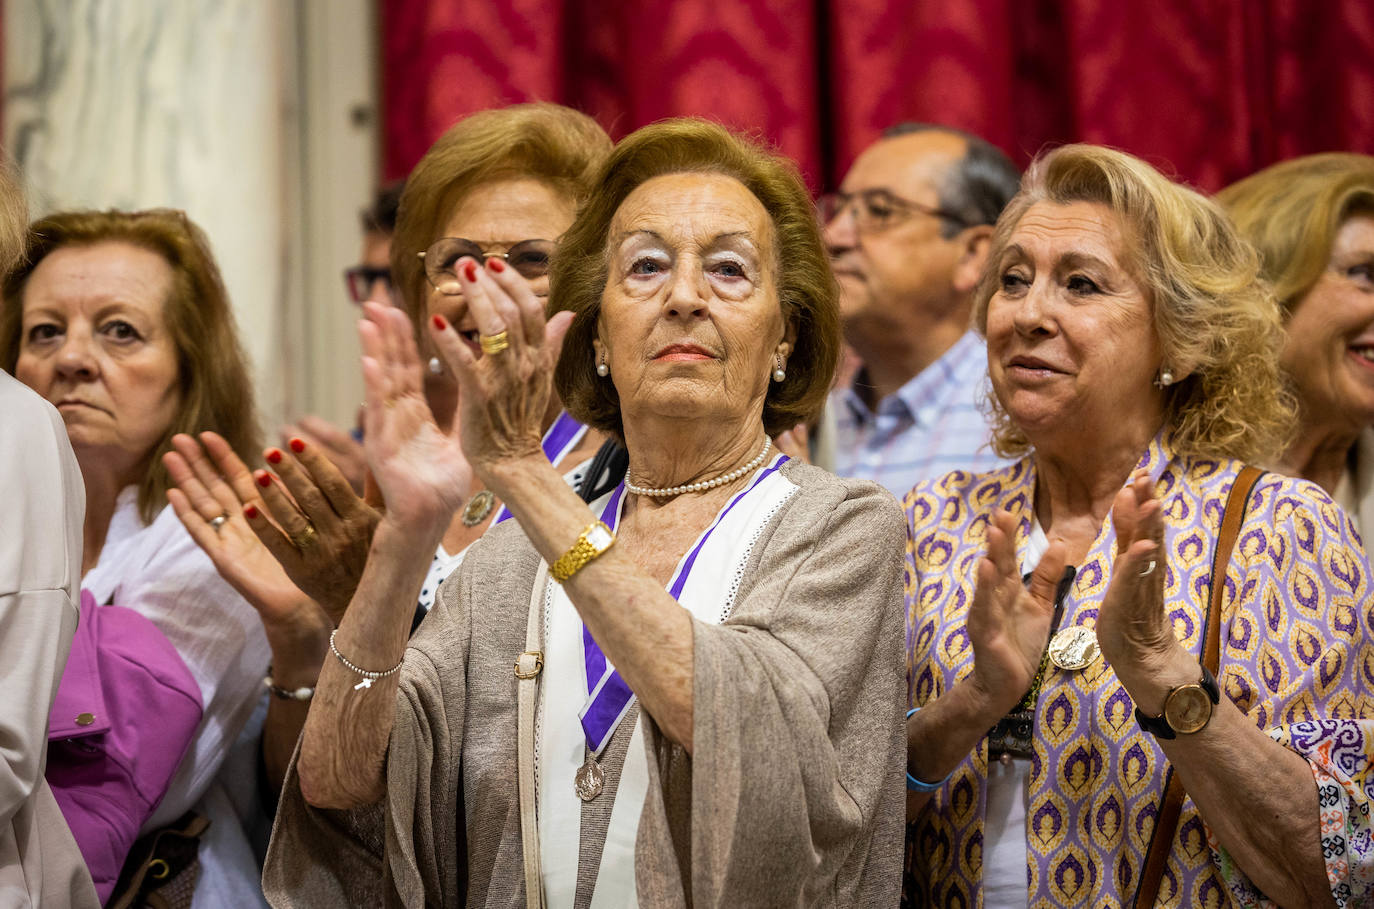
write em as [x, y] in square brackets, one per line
[979, 186]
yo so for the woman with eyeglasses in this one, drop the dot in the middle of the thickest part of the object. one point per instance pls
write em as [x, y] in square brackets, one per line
[501, 185]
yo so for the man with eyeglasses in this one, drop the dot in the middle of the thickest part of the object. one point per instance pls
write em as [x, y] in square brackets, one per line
[908, 237]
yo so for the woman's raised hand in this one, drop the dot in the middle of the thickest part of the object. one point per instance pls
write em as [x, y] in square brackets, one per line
[1133, 628]
[211, 504]
[419, 470]
[503, 395]
[1009, 622]
[305, 521]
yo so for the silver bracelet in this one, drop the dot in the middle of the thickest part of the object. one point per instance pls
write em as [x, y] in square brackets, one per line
[286, 694]
[368, 677]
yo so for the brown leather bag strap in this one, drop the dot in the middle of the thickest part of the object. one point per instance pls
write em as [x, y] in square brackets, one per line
[1166, 823]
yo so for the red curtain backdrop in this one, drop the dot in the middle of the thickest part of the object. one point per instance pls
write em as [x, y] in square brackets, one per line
[1209, 90]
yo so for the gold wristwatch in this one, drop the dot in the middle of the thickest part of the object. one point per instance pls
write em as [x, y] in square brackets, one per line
[596, 539]
[1187, 709]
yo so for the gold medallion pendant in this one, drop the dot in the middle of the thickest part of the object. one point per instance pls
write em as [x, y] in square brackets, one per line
[1074, 648]
[590, 780]
[478, 507]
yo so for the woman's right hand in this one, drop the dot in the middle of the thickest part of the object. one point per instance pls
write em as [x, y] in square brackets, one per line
[1009, 622]
[421, 472]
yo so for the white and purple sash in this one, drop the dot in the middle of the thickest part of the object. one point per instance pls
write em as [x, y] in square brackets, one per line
[561, 438]
[578, 681]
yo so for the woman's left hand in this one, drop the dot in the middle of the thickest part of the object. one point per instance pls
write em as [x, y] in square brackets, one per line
[504, 394]
[211, 510]
[1133, 628]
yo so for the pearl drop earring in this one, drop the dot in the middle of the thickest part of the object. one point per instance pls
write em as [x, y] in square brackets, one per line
[602, 369]
[1165, 379]
[435, 367]
[779, 374]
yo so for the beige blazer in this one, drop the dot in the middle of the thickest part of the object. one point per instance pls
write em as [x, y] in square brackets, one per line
[44, 502]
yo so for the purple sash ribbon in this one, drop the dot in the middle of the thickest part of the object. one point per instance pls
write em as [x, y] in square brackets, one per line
[561, 438]
[608, 697]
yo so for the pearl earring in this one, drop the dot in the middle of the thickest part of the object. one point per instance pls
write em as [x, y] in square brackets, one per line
[435, 367]
[779, 374]
[1165, 379]
[602, 369]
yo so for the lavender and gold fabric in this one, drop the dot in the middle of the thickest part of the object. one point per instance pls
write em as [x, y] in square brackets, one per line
[1297, 656]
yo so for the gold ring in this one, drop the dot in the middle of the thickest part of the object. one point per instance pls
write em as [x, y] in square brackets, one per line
[494, 344]
[305, 538]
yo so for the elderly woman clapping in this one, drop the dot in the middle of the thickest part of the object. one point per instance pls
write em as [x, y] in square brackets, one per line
[1133, 359]
[1312, 220]
[733, 739]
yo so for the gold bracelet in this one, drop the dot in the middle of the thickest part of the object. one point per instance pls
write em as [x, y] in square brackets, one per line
[593, 541]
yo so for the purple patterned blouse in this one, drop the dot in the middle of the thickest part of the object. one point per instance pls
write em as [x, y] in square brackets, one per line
[1297, 656]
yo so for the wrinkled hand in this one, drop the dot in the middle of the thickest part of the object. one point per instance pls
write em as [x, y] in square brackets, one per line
[1133, 628]
[339, 446]
[419, 471]
[503, 397]
[1008, 622]
[202, 494]
[795, 443]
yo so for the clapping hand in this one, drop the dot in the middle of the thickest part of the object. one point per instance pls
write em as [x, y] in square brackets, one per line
[1133, 628]
[1009, 622]
[504, 395]
[306, 520]
[210, 507]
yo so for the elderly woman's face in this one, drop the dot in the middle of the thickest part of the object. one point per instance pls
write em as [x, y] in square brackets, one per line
[496, 216]
[95, 344]
[690, 322]
[1072, 350]
[1329, 350]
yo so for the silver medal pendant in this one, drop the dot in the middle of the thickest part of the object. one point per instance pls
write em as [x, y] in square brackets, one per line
[1074, 648]
[590, 780]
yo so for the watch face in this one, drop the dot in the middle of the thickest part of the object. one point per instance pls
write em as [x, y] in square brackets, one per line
[1188, 708]
[600, 538]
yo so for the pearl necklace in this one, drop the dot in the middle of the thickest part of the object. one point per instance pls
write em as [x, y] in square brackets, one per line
[704, 484]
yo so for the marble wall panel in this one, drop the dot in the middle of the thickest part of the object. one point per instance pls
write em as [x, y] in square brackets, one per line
[182, 103]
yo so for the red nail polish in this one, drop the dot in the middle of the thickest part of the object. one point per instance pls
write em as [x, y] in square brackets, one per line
[496, 265]
[273, 457]
[440, 323]
[470, 269]
[264, 479]
[250, 511]
[297, 446]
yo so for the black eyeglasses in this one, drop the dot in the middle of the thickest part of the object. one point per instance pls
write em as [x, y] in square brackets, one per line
[877, 209]
[360, 278]
[528, 257]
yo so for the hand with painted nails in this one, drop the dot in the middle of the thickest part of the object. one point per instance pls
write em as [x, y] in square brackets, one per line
[307, 517]
[1133, 628]
[1009, 621]
[505, 392]
[338, 445]
[211, 501]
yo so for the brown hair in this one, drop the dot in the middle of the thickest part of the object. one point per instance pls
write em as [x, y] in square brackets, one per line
[1216, 319]
[1291, 212]
[545, 142]
[216, 391]
[807, 290]
[14, 215]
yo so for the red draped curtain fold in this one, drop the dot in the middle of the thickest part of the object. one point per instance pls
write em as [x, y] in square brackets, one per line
[1207, 90]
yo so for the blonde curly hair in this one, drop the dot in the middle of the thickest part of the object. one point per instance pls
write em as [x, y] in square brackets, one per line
[1218, 322]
